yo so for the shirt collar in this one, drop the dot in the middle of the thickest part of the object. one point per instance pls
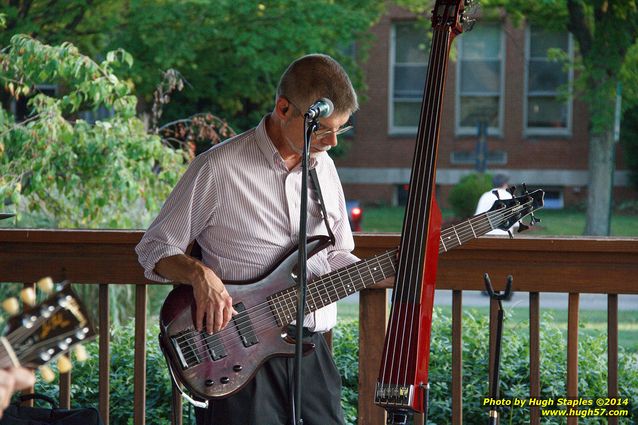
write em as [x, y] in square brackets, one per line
[269, 150]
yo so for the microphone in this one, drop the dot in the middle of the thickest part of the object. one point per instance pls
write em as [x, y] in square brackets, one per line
[321, 108]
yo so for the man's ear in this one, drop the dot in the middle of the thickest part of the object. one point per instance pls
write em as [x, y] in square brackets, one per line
[282, 106]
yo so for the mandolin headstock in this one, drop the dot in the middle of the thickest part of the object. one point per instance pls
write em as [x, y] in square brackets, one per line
[46, 331]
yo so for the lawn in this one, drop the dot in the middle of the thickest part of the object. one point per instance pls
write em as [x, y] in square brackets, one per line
[591, 321]
[554, 222]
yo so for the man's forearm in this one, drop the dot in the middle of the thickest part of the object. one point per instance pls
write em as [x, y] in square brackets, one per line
[179, 268]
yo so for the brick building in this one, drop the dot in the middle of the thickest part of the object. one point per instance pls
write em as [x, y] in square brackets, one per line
[499, 77]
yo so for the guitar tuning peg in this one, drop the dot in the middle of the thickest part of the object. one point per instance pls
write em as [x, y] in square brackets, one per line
[11, 306]
[533, 219]
[46, 285]
[498, 196]
[512, 190]
[64, 364]
[28, 296]
[522, 227]
[509, 232]
[46, 373]
[525, 191]
[81, 354]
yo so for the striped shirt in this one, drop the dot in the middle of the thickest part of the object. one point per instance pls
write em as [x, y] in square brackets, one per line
[241, 204]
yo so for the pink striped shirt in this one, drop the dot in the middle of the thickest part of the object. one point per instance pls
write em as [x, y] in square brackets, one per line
[241, 204]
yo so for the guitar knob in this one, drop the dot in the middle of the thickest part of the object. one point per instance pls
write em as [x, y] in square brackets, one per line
[209, 382]
[225, 380]
[237, 368]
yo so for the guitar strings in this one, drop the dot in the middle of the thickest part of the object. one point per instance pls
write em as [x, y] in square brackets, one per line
[317, 284]
[483, 226]
[263, 310]
[261, 314]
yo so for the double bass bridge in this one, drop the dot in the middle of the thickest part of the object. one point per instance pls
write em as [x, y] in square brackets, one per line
[394, 395]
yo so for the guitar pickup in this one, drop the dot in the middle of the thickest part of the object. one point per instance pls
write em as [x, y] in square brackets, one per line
[244, 326]
[214, 346]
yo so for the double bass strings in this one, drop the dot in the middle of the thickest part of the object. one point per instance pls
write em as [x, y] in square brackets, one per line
[398, 362]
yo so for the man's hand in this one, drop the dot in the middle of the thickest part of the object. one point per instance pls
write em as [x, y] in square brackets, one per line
[212, 301]
[13, 379]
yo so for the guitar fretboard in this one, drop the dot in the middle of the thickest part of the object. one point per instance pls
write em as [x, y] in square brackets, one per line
[346, 281]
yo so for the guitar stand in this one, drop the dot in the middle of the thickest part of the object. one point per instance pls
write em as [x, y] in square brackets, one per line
[497, 296]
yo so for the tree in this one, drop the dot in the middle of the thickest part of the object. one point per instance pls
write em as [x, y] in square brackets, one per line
[64, 170]
[231, 52]
[606, 33]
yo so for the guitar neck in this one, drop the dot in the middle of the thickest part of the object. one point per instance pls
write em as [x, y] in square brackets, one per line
[7, 356]
[341, 283]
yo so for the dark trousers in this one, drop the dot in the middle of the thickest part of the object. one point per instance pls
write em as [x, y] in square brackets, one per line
[266, 399]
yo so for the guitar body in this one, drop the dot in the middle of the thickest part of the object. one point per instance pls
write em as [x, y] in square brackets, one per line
[219, 365]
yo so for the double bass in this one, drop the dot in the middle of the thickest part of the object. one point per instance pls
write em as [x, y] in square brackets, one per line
[402, 385]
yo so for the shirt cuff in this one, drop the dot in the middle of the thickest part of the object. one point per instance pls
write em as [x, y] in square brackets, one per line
[153, 257]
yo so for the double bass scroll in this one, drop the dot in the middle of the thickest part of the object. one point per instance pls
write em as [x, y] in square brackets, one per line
[403, 376]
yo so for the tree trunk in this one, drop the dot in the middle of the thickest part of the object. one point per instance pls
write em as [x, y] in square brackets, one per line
[600, 186]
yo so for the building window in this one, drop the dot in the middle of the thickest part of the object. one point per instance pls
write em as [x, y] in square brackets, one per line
[409, 53]
[479, 79]
[546, 111]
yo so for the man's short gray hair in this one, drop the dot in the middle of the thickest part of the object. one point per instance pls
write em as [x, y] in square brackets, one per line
[314, 76]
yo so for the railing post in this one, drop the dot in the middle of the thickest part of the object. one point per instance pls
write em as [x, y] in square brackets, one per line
[139, 381]
[105, 353]
[612, 351]
[373, 317]
[572, 352]
[457, 357]
[534, 356]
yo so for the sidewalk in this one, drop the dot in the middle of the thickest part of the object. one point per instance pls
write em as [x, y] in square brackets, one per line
[521, 299]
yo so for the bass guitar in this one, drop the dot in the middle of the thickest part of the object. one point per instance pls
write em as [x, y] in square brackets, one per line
[218, 365]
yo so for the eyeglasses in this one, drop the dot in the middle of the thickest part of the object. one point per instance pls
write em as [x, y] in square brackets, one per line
[326, 133]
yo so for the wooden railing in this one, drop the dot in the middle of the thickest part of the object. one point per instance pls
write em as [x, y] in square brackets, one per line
[567, 265]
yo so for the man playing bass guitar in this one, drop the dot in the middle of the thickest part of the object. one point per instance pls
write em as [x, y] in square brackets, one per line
[240, 201]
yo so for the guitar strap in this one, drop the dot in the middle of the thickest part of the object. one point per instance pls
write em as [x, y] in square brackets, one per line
[324, 214]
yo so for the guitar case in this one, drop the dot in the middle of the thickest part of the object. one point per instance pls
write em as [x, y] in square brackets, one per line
[16, 414]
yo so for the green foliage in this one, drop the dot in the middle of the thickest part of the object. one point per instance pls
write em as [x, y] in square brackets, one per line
[464, 196]
[64, 170]
[84, 23]
[345, 339]
[232, 52]
[514, 371]
[84, 388]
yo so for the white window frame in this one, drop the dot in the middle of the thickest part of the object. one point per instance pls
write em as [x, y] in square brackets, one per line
[472, 131]
[545, 131]
[394, 130]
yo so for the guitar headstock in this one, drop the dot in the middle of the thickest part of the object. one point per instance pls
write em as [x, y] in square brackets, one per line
[451, 14]
[46, 331]
[506, 212]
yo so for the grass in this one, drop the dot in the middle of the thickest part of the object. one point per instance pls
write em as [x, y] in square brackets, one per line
[554, 222]
[591, 321]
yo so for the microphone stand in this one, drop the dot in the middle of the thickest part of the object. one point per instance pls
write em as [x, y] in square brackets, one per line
[311, 126]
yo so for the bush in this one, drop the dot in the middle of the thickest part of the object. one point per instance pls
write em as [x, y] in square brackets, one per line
[514, 371]
[465, 195]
